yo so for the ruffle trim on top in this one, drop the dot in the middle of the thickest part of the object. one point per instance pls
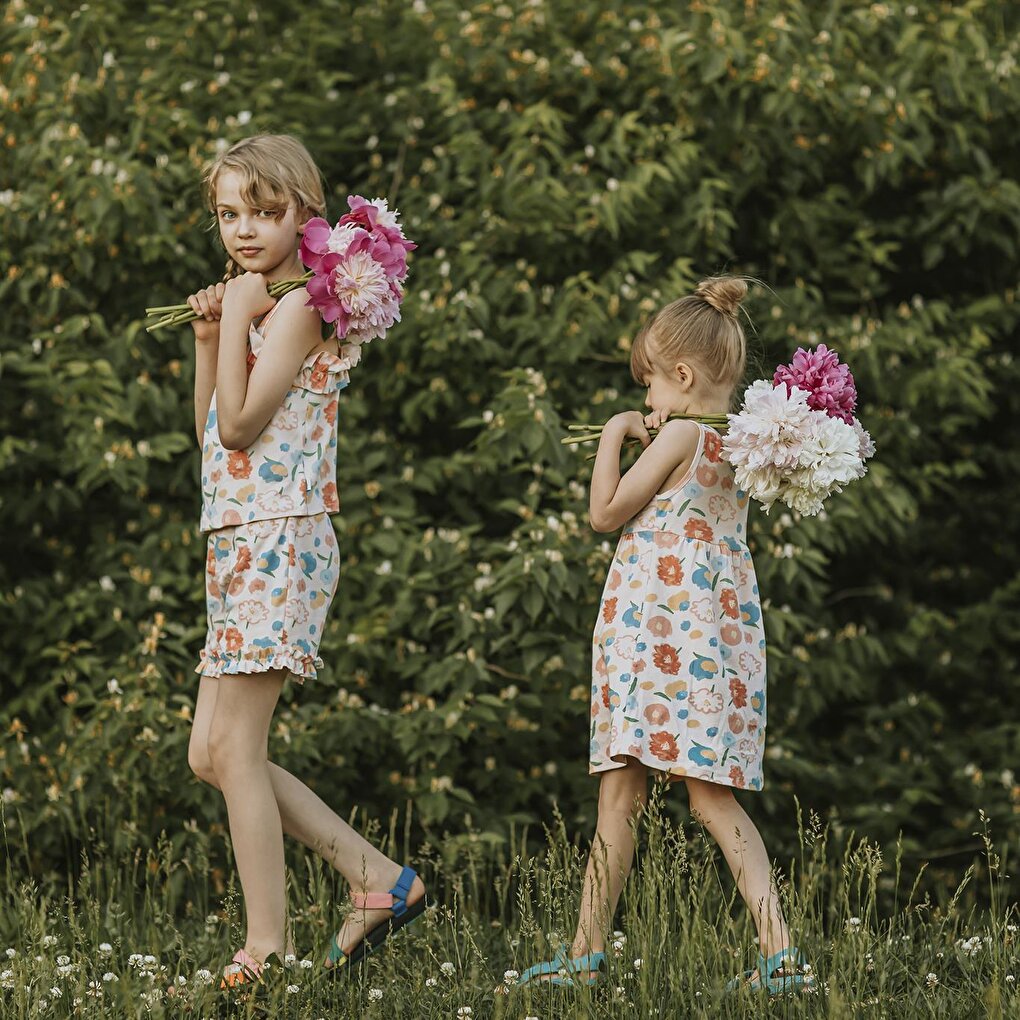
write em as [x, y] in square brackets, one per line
[322, 372]
[254, 659]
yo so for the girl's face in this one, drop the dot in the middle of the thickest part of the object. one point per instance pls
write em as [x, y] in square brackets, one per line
[258, 240]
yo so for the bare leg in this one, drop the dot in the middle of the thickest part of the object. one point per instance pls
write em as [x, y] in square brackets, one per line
[305, 817]
[715, 807]
[623, 794]
[238, 745]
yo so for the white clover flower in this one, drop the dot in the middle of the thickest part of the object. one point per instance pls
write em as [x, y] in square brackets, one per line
[7, 979]
[931, 979]
[50, 940]
[853, 924]
[110, 977]
[148, 960]
[204, 977]
[447, 968]
[509, 976]
[63, 961]
[374, 994]
[306, 964]
[431, 982]
[55, 991]
[134, 960]
[464, 1011]
[291, 989]
[637, 963]
[104, 947]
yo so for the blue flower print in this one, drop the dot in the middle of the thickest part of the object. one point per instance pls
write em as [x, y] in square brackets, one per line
[703, 668]
[632, 618]
[268, 562]
[750, 614]
[701, 755]
[692, 490]
[729, 739]
[702, 578]
[731, 543]
[272, 471]
[308, 563]
[718, 563]
[758, 701]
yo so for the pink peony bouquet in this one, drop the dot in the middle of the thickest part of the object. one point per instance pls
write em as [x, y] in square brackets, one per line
[796, 439]
[356, 269]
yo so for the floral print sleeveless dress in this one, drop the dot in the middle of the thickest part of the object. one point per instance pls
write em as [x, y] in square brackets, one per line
[678, 678]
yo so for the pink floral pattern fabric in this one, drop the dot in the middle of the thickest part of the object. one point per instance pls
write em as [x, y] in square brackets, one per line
[269, 585]
[290, 469]
[678, 678]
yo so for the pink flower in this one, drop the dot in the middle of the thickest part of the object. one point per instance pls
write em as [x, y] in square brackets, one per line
[829, 385]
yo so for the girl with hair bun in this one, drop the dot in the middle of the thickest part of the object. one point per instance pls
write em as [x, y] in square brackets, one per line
[678, 677]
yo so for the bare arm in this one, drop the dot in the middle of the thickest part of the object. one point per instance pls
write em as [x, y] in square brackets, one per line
[208, 304]
[614, 500]
[245, 404]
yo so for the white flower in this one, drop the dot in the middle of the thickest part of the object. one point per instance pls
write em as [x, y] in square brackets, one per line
[374, 994]
[104, 947]
[305, 964]
[291, 989]
[134, 960]
[63, 961]
[49, 940]
[341, 236]
[431, 982]
[7, 979]
[11, 953]
[637, 963]
[853, 924]
[385, 216]
[204, 977]
[114, 688]
[110, 976]
[244, 117]
[510, 976]
[55, 991]
[931, 979]
[447, 968]
[464, 1011]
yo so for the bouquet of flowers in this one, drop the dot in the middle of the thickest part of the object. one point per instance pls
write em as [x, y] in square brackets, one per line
[356, 269]
[795, 439]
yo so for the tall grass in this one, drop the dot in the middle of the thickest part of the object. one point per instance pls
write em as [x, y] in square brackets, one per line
[136, 919]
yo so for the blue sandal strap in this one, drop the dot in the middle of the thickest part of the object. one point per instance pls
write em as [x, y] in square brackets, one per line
[402, 890]
[775, 961]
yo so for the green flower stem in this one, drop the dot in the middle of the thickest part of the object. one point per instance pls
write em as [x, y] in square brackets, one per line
[593, 432]
[177, 315]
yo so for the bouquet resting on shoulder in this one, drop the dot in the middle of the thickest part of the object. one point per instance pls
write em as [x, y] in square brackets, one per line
[354, 278]
[795, 439]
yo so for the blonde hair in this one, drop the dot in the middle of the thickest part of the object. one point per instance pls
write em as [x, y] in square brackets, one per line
[702, 327]
[275, 170]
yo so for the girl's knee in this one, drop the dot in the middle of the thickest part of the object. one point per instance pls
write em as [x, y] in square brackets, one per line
[624, 789]
[231, 752]
[706, 797]
[200, 762]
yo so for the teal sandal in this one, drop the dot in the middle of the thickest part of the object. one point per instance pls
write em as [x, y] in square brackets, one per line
[561, 968]
[767, 968]
[404, 914]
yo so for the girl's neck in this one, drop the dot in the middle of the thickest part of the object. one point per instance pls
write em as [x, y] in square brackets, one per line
[288, 270]
[710, 402]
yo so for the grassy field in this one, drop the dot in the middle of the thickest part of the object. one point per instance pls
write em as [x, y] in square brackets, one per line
[136, 919]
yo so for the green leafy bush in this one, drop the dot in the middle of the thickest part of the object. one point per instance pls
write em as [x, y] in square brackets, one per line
[566, 167]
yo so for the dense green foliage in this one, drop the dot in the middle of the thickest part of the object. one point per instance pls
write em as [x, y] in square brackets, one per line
[566, 166]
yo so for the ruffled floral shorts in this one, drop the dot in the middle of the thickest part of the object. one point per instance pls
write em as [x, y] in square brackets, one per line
[269, 585]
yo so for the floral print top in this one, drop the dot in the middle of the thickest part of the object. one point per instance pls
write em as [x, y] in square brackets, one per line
[678, 657]
[290, 469]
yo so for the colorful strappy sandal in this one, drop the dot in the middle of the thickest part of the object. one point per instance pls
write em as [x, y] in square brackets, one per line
[243, 970]
[404, 913]
[562, 970]
[766, 969]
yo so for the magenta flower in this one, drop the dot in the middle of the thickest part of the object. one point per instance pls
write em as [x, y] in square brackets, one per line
[829, 385]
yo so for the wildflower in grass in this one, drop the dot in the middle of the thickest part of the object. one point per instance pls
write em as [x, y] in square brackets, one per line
[853, 925]
[291, 989]
[931, 979]
[204, 977]
[63, 961]
[431, 982]
[95, 990]
[374, 994]
[618, 947]
[289, 960]
[464, 1011]
[969, 947]
[637, 963]
[7, 979]
[110, 977]
[447, 968]
[510, 976]
[306, 964]
[55, 992]
[49, 940]
[11, 953]
[1010, 979]
[134, 960]
[105, 948]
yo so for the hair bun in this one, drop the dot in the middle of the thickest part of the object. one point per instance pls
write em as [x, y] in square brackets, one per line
[723, 293]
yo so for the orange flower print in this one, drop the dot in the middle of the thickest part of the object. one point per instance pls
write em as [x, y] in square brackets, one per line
[231, 517]
[736, 722]
[236, 585]
[243, 561]
[728, 601]
[707, 475]
[257, 585]
[317, 433]
[291, 555]
[210, 562]
[215, 476]
[330, 412]
[329, 497]
[320, 374]
[730, 633]
[695, 527]
[670, 571]
[738, 692]
[666, 659]
[665, 539]
[238, 464]
[615, 580]
[659, 626]
[233, 639]
[605, 695]
[657, 714]
[663, 746]
[609, 610]
[737, 776]
[713, 447]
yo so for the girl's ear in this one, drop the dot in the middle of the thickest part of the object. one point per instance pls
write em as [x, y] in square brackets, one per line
[303, 217]
[683, 374]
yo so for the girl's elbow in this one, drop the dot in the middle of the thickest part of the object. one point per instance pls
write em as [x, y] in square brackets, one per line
[602, 522]
[231, 439]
